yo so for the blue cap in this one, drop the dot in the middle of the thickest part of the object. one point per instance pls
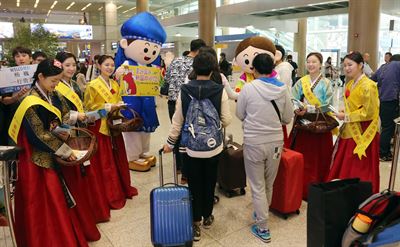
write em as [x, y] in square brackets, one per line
[144, 26]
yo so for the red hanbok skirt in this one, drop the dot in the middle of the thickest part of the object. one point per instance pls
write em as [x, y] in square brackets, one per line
[79, 188]
[42, 217]
[348, 165]
[111, 162]
[317, 152]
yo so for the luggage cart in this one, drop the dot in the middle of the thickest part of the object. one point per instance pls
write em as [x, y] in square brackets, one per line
[8, 175]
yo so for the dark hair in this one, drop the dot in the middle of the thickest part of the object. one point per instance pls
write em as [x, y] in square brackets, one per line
[185, 53]
[222, 54]
[204, 63]
[47, 68]
[281, 49]
[37, 54]
[96, 57]
[82, 68]
[20, 49]
[62, 56]
[196, 44]
[216, 75]
[389, 53]
[355, 56]
[289, 56]
[263, 63]
[103, 58]
[395, 57]
[317, 55]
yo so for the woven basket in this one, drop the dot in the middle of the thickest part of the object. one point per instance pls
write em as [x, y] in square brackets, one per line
[320, 122]
[83, 139]
[126, 125]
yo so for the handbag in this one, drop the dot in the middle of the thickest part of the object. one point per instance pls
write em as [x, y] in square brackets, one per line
[330, 207]
[317, 122]
[164, 88]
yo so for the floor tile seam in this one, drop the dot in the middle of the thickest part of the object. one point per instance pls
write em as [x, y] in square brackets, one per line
[104, 234]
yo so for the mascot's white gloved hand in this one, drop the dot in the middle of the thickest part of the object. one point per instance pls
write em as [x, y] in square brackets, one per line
[119, 72]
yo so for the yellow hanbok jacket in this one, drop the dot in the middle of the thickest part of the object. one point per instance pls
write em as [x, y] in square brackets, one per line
[97, 95]
[361, 104]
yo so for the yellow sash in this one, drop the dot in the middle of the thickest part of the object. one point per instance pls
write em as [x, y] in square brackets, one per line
[311, 98]
[68, 93]
[28, 102]
[108, 97]
[362, 140]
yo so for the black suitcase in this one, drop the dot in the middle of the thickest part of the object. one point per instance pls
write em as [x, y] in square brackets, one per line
[231, 171]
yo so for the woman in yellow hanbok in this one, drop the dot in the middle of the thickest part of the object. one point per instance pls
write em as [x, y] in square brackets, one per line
[357, 150]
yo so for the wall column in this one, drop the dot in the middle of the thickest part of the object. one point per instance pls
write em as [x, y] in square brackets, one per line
[363, 31]
[300, 46]
[142, 6]
[207, 17]
[112, 31]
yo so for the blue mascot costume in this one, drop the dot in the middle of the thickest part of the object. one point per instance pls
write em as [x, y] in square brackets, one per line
[142, 38]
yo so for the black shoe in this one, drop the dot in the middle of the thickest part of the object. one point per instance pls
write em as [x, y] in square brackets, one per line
[385, 158]
[207, 222]
[196, 232]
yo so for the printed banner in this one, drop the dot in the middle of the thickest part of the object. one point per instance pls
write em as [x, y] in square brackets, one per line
[140, 81]
[14, 78]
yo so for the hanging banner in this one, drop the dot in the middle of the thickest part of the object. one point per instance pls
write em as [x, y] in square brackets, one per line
[14, 78]
[140, 81]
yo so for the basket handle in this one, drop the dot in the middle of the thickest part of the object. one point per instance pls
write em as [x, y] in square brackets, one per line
[124, 107]
[89, 133]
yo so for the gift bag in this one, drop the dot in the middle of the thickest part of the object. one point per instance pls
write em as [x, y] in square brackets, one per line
[330, 207]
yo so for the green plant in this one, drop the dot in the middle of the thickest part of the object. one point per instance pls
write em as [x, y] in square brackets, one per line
[38, 40]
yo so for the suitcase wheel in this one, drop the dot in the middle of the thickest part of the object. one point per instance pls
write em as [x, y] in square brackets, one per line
[230, 194]
[242, 191]
[298, 211]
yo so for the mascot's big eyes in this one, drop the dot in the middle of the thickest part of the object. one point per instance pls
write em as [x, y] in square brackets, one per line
[154, 52]
[247, 61]
[145, 50]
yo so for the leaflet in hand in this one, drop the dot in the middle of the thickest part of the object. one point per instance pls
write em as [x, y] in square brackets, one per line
[298, 104]
[333, 109]
[92, 116]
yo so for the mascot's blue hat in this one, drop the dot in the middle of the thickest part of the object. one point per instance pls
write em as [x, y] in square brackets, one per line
[144, 26]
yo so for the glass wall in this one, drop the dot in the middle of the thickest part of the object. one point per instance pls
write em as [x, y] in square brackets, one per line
[330, 33]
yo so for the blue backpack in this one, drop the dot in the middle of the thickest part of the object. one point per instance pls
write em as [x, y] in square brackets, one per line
[202, 130]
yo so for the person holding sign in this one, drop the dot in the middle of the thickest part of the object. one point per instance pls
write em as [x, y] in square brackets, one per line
[82, 180]
[45, 210]
[142, 38]
[22, 56]
[357, 151]
[312, 90]
[103, 95]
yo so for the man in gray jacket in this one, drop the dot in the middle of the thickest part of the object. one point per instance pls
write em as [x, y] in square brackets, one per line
[263, 106]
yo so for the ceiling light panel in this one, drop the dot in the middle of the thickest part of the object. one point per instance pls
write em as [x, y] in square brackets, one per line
[54, 4]
[128, 10]
[69, 6]
[87, 5]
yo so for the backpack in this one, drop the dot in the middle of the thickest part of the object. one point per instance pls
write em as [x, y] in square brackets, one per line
[375, 213]
[202, 130]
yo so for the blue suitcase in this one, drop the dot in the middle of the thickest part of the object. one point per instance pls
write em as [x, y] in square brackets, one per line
[171, 213]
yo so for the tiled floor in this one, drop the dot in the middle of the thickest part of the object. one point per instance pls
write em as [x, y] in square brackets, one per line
[130, 226]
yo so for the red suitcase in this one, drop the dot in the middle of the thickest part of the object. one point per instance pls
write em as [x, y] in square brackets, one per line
[288, 185]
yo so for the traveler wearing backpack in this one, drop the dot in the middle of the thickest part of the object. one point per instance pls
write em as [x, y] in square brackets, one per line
[261, 105]
[202, 110]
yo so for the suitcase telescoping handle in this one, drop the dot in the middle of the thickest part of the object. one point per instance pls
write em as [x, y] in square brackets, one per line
[395, 159]
[160, 153]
